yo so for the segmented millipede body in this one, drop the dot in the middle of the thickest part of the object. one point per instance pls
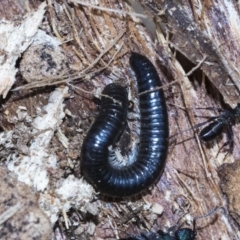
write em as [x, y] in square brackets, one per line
[122, 181]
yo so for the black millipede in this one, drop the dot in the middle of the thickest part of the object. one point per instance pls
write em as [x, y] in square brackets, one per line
[149, 163]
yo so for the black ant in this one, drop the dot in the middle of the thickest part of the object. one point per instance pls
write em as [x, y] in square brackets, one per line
[225, 120]
[181, 234]
[173, 233]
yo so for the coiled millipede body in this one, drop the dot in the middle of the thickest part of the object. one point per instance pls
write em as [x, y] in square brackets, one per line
[149, 162]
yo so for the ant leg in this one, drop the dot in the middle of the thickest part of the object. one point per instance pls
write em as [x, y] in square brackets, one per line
[178, 225]
[230, 136]
[229, 140]
[58, 227]
[194, 228]
[204, 216]
[211, 119]
[134, 213]
[212, 109]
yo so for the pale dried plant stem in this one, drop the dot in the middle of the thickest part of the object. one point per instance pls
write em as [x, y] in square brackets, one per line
[65, 217]
[82, 74]
[10, 212]
[104, 51]
[103, 95]
[109, 9]
[186, 187]
[53, 22]
[208, 174]
[75, 32]
[176, 81]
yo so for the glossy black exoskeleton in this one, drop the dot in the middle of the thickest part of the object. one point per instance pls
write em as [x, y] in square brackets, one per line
[180, 234]
[173, 233]
[225, 120]
[97, 165]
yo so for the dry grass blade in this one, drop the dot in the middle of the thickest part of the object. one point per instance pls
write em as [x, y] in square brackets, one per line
[9, 213]
[176, 81]
[117, 11]
[83, 74]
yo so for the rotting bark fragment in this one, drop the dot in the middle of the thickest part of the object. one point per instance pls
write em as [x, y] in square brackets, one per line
[230, 178]
[194, 43]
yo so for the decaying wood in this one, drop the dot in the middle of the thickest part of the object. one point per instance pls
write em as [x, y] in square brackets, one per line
[229, 175]
[21, 217]
[86, 46]
[207, 29]
[16, 36]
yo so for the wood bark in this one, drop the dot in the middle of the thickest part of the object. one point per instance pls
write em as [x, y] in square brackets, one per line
[195, 47]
